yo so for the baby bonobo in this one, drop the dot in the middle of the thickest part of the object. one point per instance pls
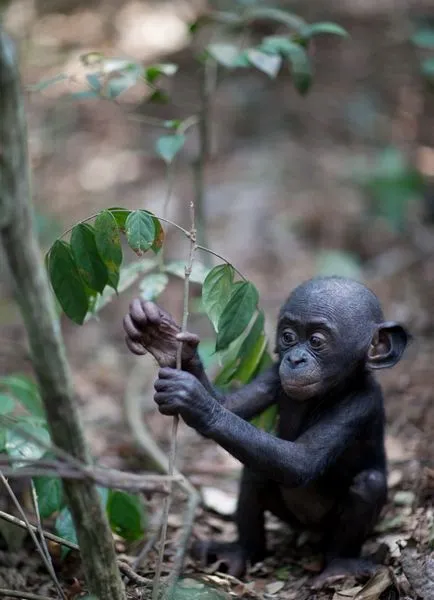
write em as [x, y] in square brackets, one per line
[325, 468]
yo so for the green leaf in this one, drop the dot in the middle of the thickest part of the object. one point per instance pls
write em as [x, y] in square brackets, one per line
[49, 491]
[128, 276]
[118, 83]
[268, 64]
[67, 283]
[108, 242]
[18, 445]
[427, 67]
[297, 56]
[64, 525]
[198, 272]
[7, 404]
[216, 291]
[159, 97]
[236, 314]
[325, 27]
[251, 351]
[89, 263]
[95, 82]
[159, 236]
[228, 55]
[65, 529]
[152, 73]
[275, 14]
[267, 420]
[168, 146]
[120, 215]
[153, 285]
[140, 231]
[335, 262]
[85, 95]
[424, 38]
[26, 391]
[127, 515]
[46, 83]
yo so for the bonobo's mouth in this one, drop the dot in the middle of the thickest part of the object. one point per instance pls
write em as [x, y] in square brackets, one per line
[302, 390]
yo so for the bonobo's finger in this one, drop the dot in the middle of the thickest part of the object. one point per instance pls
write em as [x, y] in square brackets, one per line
[131, 329]
[137, 313]
[168, 409]
[168, 373]
[135, 347]
[189, 338]
[152, 312]
[164, 385]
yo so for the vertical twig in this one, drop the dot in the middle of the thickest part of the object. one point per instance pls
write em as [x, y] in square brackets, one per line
[39, 523]
[175, 423]
[207, 85]
[39, 548]
[169, 179]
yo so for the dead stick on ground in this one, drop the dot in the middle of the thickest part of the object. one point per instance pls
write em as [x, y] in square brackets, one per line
[4, 593]
[31, 531]
[123, 567]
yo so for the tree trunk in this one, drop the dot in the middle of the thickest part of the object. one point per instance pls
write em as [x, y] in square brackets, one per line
[23, 256]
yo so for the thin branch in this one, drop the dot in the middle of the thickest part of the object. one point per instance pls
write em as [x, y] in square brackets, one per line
[41, 531]
[4, 593]
[184, 231]
[150, 543]
[126, 569]
[175, 423]
[31, 531]
[221, 257]
[169, 222]
[111, 478]
[47, 535]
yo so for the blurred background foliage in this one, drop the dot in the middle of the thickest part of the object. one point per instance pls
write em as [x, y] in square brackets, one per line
[338, 181]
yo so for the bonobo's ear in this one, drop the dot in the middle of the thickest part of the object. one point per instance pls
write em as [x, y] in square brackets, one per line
[388, 344]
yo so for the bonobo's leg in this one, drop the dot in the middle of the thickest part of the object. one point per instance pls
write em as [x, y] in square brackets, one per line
[349, 527]
[256, 495]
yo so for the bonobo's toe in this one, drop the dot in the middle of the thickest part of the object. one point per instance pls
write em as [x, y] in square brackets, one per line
[340, 568]
[230, 557]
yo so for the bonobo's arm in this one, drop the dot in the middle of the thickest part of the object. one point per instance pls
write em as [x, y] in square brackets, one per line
[289, 463]
[151, 329]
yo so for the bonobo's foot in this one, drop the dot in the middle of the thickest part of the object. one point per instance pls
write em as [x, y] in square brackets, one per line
[340, 568]
[230, 556]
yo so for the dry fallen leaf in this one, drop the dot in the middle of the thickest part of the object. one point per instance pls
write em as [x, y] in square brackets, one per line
[274, 587]
[375, 586]
[219, 501]
[348, 593]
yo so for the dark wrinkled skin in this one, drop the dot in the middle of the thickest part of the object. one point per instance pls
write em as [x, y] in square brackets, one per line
[326, 468]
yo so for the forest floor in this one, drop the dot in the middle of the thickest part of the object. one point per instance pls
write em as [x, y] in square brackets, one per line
[277, 195]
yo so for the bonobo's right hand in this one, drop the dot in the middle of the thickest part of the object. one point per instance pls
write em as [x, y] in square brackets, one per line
[151, 329]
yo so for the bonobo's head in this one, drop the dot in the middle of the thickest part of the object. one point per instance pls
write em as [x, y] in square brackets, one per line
[329, 328]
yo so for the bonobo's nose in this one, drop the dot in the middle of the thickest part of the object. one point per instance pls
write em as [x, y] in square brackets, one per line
[296, 357]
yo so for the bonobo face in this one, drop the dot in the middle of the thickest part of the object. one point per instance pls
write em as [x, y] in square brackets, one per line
[329, 327]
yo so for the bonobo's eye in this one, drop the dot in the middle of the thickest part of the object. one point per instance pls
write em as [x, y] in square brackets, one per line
[317, 341]
[288, 337]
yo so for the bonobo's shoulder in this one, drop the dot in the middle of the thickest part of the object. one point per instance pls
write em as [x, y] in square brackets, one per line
[366, 399]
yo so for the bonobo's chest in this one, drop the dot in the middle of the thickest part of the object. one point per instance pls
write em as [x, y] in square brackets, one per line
[294, 418]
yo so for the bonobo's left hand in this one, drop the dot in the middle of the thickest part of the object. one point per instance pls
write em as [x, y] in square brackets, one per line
[180, 393]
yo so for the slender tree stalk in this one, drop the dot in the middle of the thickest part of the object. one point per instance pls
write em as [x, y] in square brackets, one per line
[204, 152]
[175, 423]
[23, 257]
